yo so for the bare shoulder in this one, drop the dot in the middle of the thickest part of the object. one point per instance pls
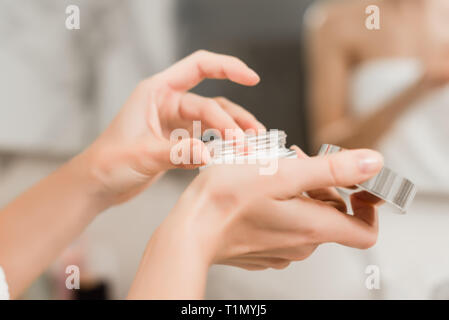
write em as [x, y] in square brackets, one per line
[337, 17]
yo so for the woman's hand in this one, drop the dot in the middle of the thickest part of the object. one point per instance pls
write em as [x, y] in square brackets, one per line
[130, 154]
[233, 215]
[135, 149]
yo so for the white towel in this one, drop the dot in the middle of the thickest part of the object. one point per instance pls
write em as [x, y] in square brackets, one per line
[4, 292]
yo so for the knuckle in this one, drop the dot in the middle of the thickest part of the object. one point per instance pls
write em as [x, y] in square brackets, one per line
[254, 267]
[281, 265]
[304, 254]
[221, 99]
[235, 60]
[222, 195]
[184, 110]
[370, 241]
[210, 106]
[212, 103]
[201, 53]
[299, 257]
[225, 201]
[276, 263]
[312, 232]
[282, 176]
[332, 168]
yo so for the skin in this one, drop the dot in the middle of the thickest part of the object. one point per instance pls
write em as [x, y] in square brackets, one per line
[130, 155]
[338, 42]
[233, 215]
[229, 214]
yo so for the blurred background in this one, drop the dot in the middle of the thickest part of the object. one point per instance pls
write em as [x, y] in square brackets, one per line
[60, 88]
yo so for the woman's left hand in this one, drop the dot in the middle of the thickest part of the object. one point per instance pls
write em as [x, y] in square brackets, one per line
[231, 214]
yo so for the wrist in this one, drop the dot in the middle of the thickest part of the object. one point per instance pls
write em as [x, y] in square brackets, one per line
[199, 220]
[82, 171]
[173, 267]
[184, 233]
[178, 239]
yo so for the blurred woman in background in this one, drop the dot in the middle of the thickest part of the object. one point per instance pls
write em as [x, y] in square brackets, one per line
[389, 89]
[385, 88]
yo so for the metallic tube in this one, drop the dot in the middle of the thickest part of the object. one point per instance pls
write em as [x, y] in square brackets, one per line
[386, 185]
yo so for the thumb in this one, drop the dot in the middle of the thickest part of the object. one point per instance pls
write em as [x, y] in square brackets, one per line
[161, 155]
[342, 169]
[187, 154]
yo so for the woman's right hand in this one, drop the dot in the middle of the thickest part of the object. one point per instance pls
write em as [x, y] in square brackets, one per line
[233, 215]
[138, 145]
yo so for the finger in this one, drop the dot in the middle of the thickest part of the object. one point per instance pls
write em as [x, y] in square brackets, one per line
[330, 196]
[365, 209]
[186, 153]
[235, 262]
[352, 231]
[189, 154]
[323, 223]
[344, 168]
[289, 252]
[208, 111]
[189, 72]
[259, 262]
[300, 154]
[325, 194]
[368, 197]
[243, 118]
[246, 266]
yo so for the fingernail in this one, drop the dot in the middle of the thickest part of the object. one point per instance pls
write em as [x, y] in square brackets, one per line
[261, 125]
[239, 134]
[254, 74]
[370, 162]
[299, 152]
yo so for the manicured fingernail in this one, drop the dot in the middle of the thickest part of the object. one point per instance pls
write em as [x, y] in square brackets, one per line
[370, 162]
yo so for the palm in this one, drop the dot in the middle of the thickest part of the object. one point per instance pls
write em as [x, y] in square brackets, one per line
[137, 144]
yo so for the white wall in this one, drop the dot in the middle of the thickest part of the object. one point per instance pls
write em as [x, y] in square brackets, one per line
[59, 88]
